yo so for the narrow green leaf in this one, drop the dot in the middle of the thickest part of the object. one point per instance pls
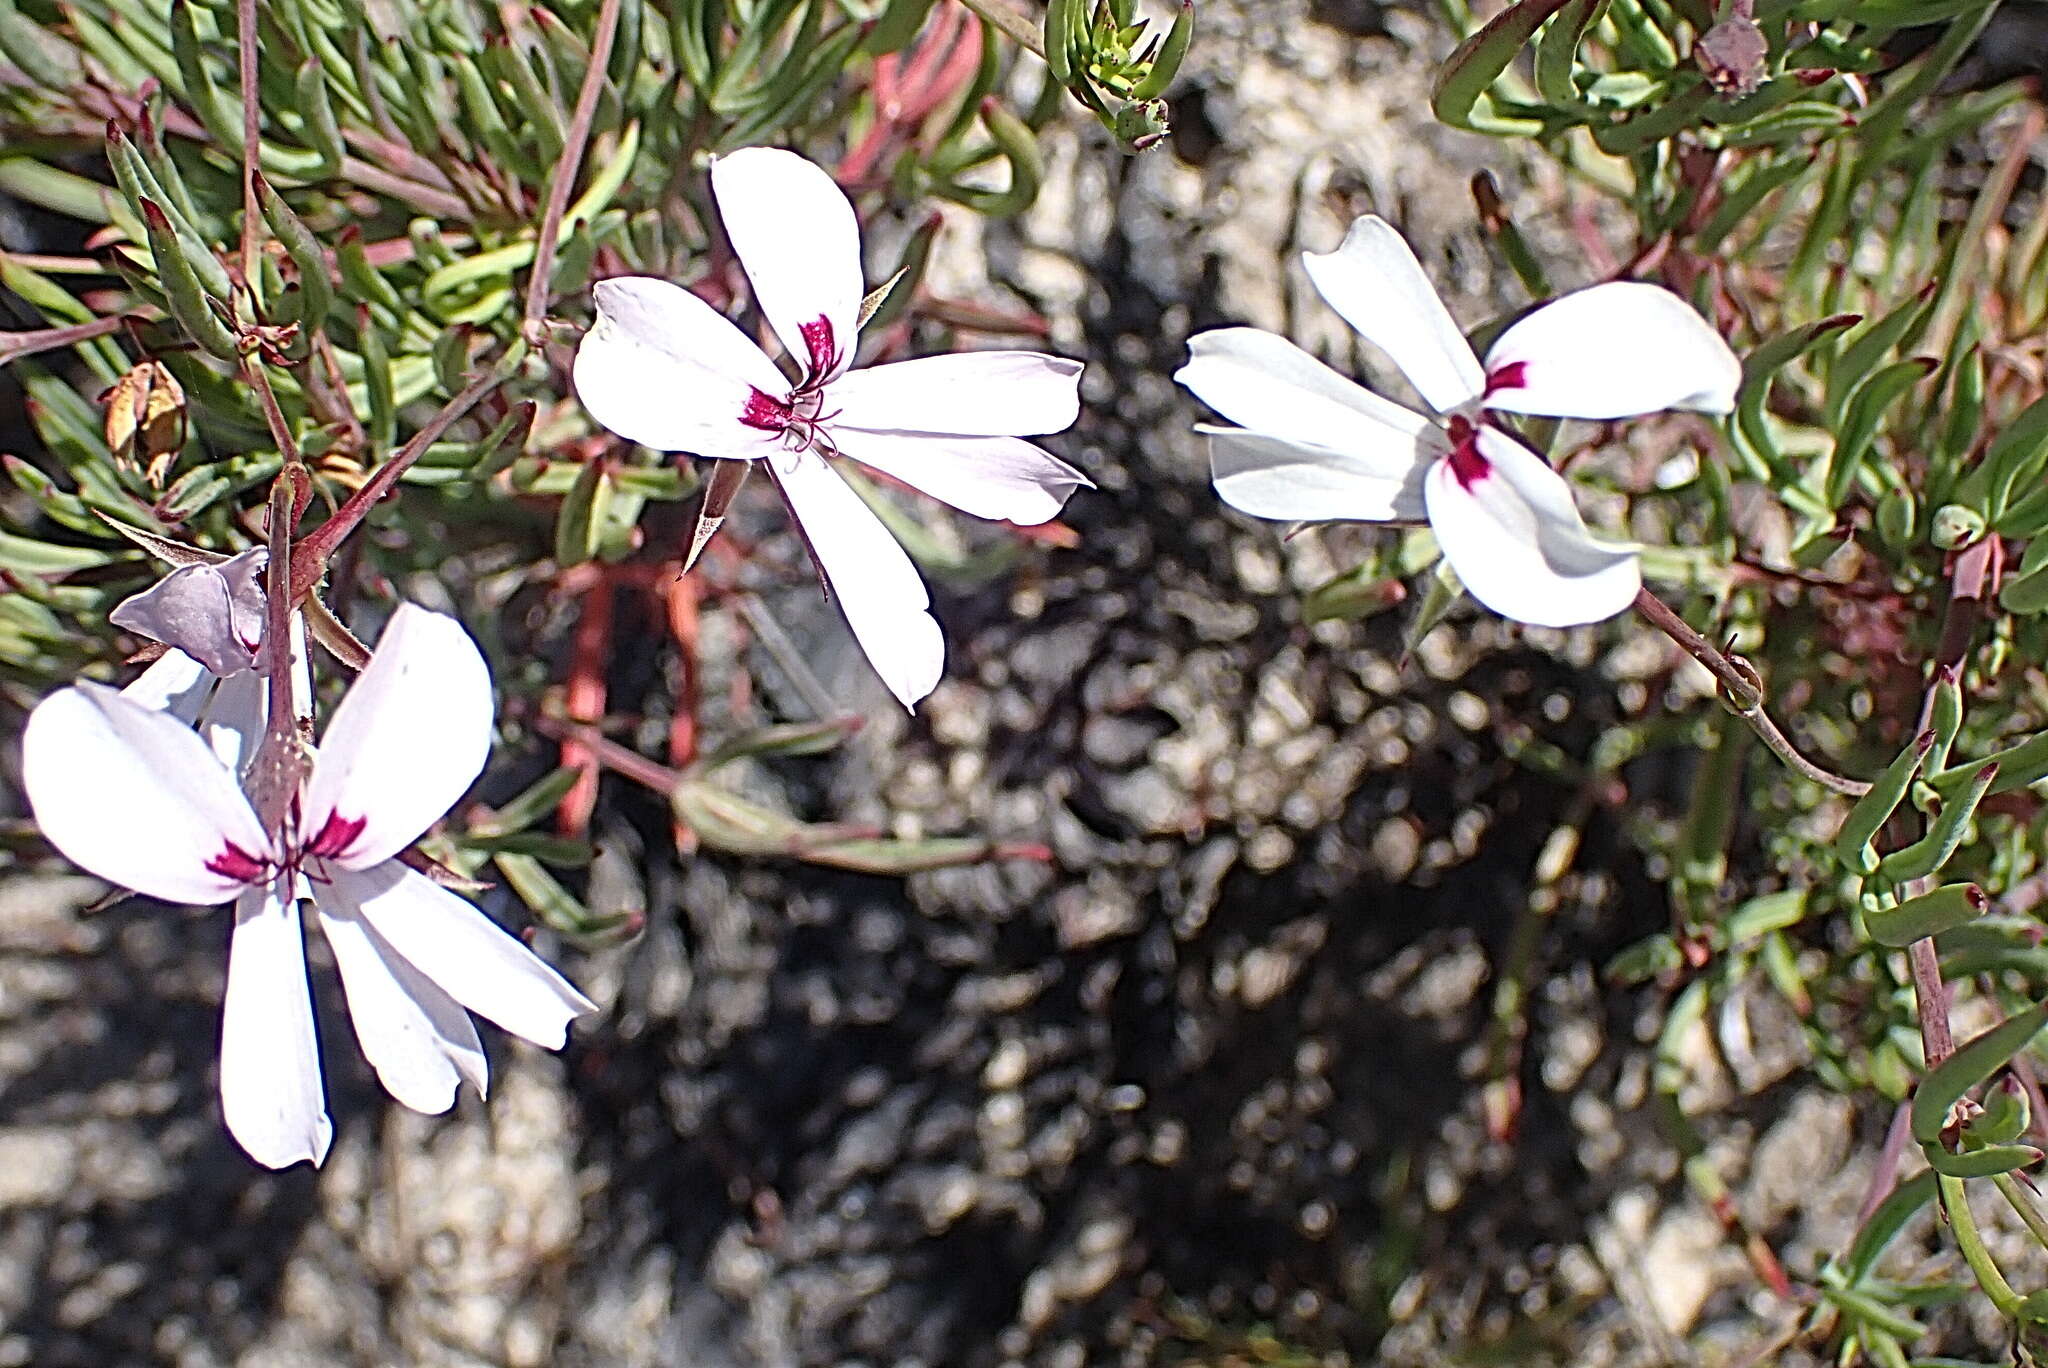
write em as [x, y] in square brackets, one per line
[1929, 914]
[1480, 60]
[1969, 1067]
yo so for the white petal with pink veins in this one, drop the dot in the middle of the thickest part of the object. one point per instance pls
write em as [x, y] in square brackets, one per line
[406, 742]
[1271, 477]
[1508, 526]
[877, 587]
[1000, 478]
[662, 368]
[135, 796]
[1266, 384]
[270, 1088]
[985, 393]
[795, 232]
[1375, 282]
[1612, 351]
[467, 955]
[419, 1040]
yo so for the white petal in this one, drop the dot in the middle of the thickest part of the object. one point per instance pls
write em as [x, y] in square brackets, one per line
[662, 368]
[1375, 282]
[986, 393]
[1508, 526]
[1271, 477]
[134, 796]
[270, 1088]
[213, 613]
[408, 740]
[1613, 351]
[419, 1040]
[877, 586]
[1266, 384]
[795, 232]
[234, 719]
[175, 683]
[464, 952]
[1002, 478]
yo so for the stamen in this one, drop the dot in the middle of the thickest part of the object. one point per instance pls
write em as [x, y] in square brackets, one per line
[1466, 463]
[235, 863]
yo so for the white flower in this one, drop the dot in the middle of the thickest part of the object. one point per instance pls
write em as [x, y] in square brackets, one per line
[133, 795]
[662, 368]
[1315, 447]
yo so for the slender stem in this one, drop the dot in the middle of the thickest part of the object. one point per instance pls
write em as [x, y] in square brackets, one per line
[16, 345]
[610, 754]
[280, 431]
[1956, 1202]
[566, 168]
[1742, 691]
[1968, 578]
[310, 556]
[1937, 1042]
[245, 38]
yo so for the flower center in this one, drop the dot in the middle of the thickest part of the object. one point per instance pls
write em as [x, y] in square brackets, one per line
[797, 416]
[1467, 463]
[332, 840]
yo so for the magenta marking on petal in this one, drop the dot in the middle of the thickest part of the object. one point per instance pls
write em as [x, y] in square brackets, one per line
[1466, 462]
[823, 346]
[766, 412]
[335, 837]
[1514, 375]
[235, 863]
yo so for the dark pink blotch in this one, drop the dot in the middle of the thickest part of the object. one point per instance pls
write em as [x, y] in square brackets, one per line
[235, 863]
[335, 837]
[766, 412]
[823, 347]
[1466, 463]
[1514, 375]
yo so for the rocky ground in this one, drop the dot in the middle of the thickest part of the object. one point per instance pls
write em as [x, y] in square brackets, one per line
[1205, 1088]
